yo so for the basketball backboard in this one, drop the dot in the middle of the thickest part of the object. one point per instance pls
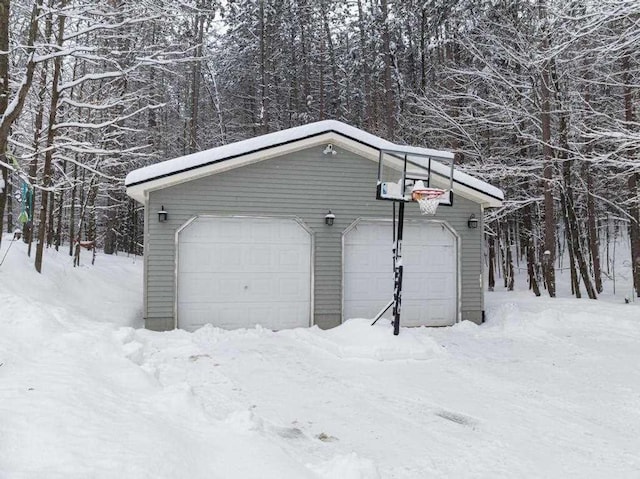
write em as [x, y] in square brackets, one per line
[400, 170]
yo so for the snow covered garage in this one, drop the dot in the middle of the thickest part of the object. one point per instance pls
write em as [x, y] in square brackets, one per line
[237, 236]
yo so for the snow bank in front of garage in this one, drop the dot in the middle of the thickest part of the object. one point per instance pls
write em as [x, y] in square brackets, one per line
[546, 388]
[84, 397]
[359, 339]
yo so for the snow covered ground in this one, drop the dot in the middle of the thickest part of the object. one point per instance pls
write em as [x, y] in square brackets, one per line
[546, 388]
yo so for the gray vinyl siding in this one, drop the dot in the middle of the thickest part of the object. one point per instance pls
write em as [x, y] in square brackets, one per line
[305, 184]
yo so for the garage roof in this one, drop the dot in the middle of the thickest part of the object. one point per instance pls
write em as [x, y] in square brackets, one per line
[185, 168]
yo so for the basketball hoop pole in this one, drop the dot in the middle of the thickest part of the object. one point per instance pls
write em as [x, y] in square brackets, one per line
[398, 270]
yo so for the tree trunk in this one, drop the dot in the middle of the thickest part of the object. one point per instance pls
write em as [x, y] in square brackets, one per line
[582, 264]
[389, 105]
[531, 253]
[334, 99]
[84, 201]
[8, 184]
[368, 110]
[57, 237]
[4, 179]
[4, 99]
[423, 49]
[570, 212]
[492, 260]
[92, 234]
[50, 225]
[264, 91]
[8, 117]
[195, 85]
[37, 132]
[634, 208]
[575, 284]
[634, 231]
[321, 94]
[549, 253]
[46, 182]
[594, 244]
[110, 239]
[72, 210]
[509, 277]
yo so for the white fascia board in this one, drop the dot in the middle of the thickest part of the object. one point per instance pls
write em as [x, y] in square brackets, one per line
[351, 139]
[484, 200]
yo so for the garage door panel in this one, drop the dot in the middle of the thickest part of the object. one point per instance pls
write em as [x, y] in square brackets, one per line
[430, 258]
[440, 258]
[364, 287]
[192, 255]
[438, 234]
[239, 272]
[257, 291]
[260, 230]
[369, 234]
[244, 230]
[205, 232]
[218, 287]
[295, 235]
[430, 270]
[445, 287]
[294, 258]
[431, 313]
[437, 285]
[368, 260]
[258, 256]
[363, 308]
[276, 316]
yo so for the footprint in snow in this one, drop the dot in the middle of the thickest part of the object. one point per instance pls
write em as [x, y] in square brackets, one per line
[457, 418]
[326, 437]
[290, 432]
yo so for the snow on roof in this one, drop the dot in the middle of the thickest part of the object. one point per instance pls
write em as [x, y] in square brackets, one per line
[252, 145]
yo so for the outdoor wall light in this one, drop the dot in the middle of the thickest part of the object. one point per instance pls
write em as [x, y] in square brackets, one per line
[162, 215]
[473, 222]
[329, 219]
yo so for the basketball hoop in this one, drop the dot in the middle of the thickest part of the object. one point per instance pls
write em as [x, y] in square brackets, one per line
[405, 175]
[428, 198]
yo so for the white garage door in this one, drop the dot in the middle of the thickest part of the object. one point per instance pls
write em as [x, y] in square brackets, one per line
[429, 286]
[239, 272]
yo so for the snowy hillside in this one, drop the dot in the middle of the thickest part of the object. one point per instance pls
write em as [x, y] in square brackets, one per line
[547, 388]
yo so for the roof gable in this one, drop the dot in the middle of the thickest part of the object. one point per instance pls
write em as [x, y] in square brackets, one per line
[223, 158]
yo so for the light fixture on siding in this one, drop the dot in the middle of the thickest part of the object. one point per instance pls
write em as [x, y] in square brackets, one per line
[329, 219]
[162, 215]
[329, 150]
[473, 222]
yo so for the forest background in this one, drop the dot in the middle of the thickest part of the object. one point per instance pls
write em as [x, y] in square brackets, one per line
[538, 97]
